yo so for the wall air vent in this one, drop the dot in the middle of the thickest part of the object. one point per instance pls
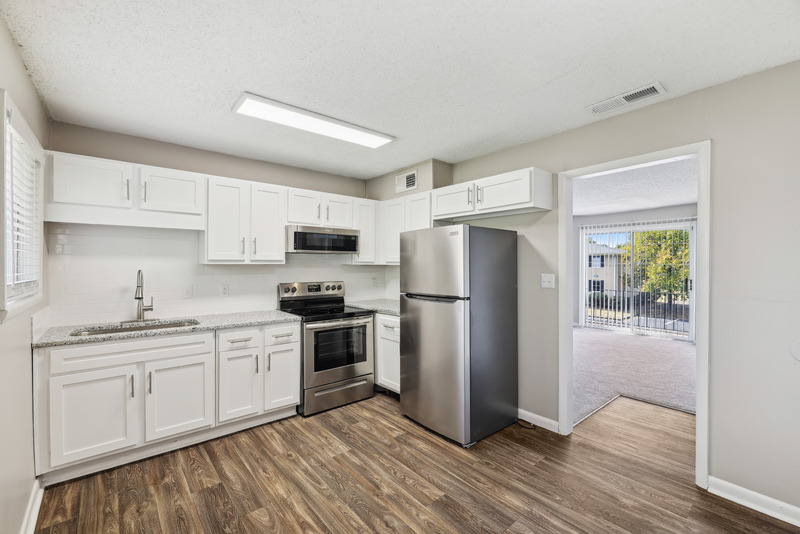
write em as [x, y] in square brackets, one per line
[626, 99]
[406, 181]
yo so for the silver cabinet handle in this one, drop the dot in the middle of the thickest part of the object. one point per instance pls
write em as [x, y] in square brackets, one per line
[150, 387]
[327, 213]
[242, 246]
[276, 336]
[478, 196]
[133, 394]
[269, 361]
[469, 195]
[256, 363]
[255, 247]
[127, 189]
[319, 211]
[145, 192]
[240, 340]
[390, 327]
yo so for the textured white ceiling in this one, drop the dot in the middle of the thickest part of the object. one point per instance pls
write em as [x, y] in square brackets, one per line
[669, 183]
[449, 79]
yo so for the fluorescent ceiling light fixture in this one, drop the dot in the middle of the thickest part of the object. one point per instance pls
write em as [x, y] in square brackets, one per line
[270, 110]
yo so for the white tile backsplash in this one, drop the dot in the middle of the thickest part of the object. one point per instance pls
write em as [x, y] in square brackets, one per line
[92, 275]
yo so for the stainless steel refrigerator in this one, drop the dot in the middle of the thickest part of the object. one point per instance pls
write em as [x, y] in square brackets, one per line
[458, 330]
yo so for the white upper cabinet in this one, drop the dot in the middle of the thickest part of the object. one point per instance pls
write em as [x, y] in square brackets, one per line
[392, 224]
[81, 189]
[228, 219]
[319, 209]
[417, 211]
[365, 218]
[267, 222]
[171, 190]
[246, 222]
[513, 192]
[453, 200]
[92, 181]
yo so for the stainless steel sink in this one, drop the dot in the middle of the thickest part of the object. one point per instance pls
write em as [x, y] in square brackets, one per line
[133, 326]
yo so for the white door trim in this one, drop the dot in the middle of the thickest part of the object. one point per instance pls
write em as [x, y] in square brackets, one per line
[566, 268]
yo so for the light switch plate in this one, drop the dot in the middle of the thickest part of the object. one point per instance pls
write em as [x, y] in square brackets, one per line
[548, 281]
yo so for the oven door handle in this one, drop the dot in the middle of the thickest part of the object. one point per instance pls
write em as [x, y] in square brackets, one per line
[334, 324]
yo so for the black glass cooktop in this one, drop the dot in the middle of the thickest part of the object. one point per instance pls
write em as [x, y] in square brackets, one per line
[327, 313]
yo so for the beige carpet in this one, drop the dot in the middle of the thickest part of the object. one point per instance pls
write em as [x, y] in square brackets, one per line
[607, 364]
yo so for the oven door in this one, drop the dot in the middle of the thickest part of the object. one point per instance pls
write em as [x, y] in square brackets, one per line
[337, 350]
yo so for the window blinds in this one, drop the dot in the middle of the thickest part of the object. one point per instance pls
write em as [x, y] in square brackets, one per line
[23, 224]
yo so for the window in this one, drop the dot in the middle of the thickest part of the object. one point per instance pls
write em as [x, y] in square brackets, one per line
[596, 285]
[597, 260]
[22, 213]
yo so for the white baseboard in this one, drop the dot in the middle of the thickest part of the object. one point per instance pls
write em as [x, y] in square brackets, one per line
[756, 501]
[538, 420]
[32, 511]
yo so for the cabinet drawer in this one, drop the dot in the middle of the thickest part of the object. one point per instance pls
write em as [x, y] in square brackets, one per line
[388, 327]
[94, 356]
[282, 334]
[244, 338]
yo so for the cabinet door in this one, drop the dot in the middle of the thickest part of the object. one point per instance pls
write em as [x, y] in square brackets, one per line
[267, 223]
[392, 223]
[91, 413]
[418, 211]
[338, 211]
[387, 352]
[304, 207]
[228, 218]
[504, 190]
[365, 212]
[239, 384]
[95, 181]
[282, 376]
[179, 395]
[171, 190]
[456, 199]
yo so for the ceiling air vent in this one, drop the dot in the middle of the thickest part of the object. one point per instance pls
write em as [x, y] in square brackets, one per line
[626, 99]
[406, 181]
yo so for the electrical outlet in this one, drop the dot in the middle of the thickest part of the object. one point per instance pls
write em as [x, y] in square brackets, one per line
[374, 282]
[224, 290]
[548, 281]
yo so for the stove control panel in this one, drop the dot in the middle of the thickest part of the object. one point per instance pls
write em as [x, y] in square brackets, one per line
[307, 290]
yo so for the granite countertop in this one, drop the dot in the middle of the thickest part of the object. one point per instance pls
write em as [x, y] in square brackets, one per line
[387, 306]
[59, 335]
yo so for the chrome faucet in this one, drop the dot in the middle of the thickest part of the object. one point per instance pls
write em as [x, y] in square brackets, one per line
[140, 307]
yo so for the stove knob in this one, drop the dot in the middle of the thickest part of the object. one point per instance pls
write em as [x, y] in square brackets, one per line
[339, 287]
[328, 288]
[294, 290]
[285, 289]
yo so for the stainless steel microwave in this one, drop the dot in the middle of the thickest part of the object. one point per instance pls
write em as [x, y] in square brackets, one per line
[321, 240]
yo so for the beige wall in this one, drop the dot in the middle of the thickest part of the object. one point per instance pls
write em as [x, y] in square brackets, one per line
[16, 419]
[430, 174]
[102, 144]
[755, 298]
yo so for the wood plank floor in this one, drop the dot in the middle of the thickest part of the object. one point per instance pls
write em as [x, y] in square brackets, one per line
[366, 468]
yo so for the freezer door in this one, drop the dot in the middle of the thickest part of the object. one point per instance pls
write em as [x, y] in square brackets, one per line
[433, 261]
[433, 364]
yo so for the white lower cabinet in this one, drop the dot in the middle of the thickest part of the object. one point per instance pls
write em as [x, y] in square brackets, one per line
[180, 395]
[98, 405]
[239, 383]
[387, 352]
[92, 413]
[262, 374]
[282, 376]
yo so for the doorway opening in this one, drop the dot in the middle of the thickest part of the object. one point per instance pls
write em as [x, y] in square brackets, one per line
[572, 290]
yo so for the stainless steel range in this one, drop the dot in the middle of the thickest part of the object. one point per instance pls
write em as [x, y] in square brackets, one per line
[338, 360]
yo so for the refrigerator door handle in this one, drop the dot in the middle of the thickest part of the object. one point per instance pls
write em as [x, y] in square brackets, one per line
[434, 299]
